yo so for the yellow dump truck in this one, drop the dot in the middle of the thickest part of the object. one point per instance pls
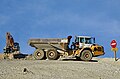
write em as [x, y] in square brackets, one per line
[83, 48]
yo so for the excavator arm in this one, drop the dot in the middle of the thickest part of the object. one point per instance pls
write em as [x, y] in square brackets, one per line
[9, 40]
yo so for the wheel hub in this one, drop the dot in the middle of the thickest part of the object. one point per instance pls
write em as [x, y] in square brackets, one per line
[86, 55]
[38, 54]
[51, 54]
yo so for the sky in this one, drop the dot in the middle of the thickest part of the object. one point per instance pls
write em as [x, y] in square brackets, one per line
[26, 19]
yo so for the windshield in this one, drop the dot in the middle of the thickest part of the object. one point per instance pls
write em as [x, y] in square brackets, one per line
[85, 40]
[89, 40]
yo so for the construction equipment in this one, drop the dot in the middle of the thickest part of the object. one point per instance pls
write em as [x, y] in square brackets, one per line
[12, 49]
[11, 46]
[83, 48]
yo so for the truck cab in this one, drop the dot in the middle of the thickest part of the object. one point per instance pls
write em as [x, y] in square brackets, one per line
[84, 41]
[85, 48]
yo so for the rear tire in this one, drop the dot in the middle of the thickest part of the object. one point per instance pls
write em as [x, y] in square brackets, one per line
[77, 58]
[39, 54]
[52, 54]
[86, 55]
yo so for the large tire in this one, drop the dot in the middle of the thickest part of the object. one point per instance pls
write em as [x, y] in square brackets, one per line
[86, 55]
[39, 54]
[77, 58]
[52, 54]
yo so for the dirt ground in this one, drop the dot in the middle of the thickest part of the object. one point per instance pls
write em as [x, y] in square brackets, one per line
[98, 68]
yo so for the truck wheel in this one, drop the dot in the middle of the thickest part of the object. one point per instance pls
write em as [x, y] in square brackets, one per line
[86, 55]
[52, 54]
[77, 58]
[39, 54]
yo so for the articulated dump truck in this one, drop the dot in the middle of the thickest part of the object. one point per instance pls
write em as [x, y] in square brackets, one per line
[83, 48]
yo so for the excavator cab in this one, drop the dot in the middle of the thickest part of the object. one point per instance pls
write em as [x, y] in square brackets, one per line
[16, 46]
[12, 49]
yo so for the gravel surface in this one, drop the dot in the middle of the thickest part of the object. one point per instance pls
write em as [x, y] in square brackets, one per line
[98, 68]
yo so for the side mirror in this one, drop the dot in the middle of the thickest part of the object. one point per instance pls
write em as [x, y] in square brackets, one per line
[94, 40]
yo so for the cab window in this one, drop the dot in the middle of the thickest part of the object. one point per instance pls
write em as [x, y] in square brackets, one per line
[77, 39]
[81, 40]
[88, 41]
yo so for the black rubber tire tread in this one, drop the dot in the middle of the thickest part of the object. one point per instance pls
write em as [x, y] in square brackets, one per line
[41, 56]
[84, 53]
[55, 54]
[78, 58]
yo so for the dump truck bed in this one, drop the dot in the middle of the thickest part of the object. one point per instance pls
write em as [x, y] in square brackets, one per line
[48, 43]
[44, 41]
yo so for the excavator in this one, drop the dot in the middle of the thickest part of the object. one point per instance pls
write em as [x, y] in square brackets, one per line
[11, 46]
[12, 49]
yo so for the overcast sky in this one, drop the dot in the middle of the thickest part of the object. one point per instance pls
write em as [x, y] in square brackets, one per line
[26, 19]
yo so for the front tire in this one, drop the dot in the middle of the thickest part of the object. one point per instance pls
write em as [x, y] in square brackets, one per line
[86, 55]
[52, 54]
[39, 54]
